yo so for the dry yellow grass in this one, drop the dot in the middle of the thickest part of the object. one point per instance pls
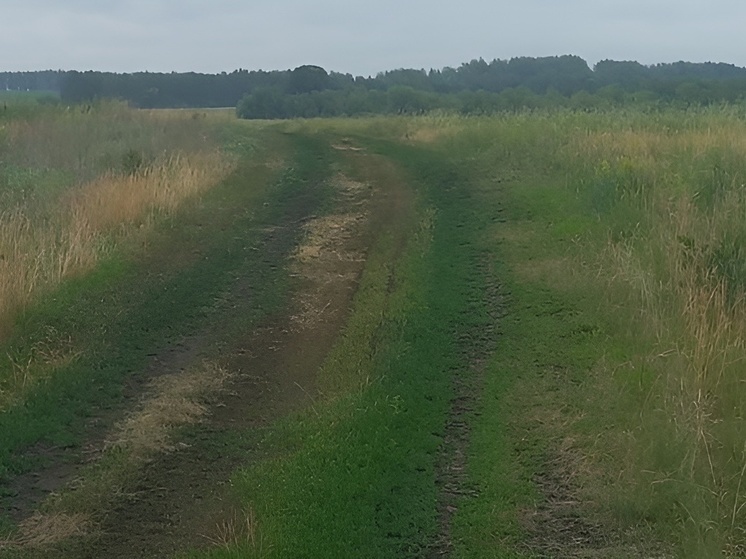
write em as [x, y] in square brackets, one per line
[326, 247]
[241, 528]
[122, 199]
[171, 401]
[42, 530]
[38, 249]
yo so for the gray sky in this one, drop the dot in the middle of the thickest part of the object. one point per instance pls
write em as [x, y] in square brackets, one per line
[359, 37]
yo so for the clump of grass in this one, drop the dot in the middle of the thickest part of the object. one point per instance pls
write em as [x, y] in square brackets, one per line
[237, 531]
[174, 401]
[42, 530]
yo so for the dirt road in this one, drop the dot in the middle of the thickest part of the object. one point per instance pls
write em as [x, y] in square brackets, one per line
[152, 476]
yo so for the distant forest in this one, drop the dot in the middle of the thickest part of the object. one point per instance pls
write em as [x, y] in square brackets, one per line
[476, 87]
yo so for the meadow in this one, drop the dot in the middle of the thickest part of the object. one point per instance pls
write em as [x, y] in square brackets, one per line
[617, 378]
[538, 349]
[631, 225]
[77, 182]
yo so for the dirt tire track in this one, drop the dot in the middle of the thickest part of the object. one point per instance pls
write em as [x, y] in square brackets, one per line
[467, 380]
[182, 498]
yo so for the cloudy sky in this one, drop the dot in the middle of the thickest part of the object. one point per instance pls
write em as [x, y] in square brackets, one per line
[359, 37]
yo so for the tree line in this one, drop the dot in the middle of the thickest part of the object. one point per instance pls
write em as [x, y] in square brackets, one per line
[478, 87]
[474, 87]
[48, 81]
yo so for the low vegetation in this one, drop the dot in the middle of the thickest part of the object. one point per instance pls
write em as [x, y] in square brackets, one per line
[566, 287]
[610, 420]
[76, 182]
[623, 248]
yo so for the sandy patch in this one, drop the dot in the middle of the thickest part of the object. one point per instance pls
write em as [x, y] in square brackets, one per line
[330, 256]
[172, 401]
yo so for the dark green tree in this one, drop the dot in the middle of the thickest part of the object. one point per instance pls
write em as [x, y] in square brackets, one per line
[264, 103]
[305, 79]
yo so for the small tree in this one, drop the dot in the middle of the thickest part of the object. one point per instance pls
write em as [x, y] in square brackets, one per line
[305, 79]
[263, 103]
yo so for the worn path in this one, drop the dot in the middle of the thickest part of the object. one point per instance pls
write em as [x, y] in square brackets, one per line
[289, 237]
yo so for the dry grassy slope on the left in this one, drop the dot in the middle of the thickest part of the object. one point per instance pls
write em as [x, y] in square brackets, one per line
[111, 183]
[75, 184]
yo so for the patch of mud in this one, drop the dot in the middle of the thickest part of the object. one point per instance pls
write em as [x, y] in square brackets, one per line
[27, 491]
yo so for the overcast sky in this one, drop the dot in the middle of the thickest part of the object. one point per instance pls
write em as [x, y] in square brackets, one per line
[359, 37]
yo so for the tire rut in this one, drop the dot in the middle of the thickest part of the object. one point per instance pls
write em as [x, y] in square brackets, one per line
[452, 478]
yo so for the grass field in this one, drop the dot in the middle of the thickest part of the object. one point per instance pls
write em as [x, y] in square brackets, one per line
[518, 336]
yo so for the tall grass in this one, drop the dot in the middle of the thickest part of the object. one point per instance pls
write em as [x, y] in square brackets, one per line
[74, 180]
[655, 207]
[680, 273]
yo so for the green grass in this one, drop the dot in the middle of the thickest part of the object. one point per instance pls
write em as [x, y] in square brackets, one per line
[600, 360]
[620, 251]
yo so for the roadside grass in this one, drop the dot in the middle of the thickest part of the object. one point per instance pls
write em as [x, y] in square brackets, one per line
[624, 328]
[681, 268]
[143, 298]
[75, 184]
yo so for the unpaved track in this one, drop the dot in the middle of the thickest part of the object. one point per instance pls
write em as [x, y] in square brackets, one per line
[467, 381]
[180, 498]
[182, 501]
